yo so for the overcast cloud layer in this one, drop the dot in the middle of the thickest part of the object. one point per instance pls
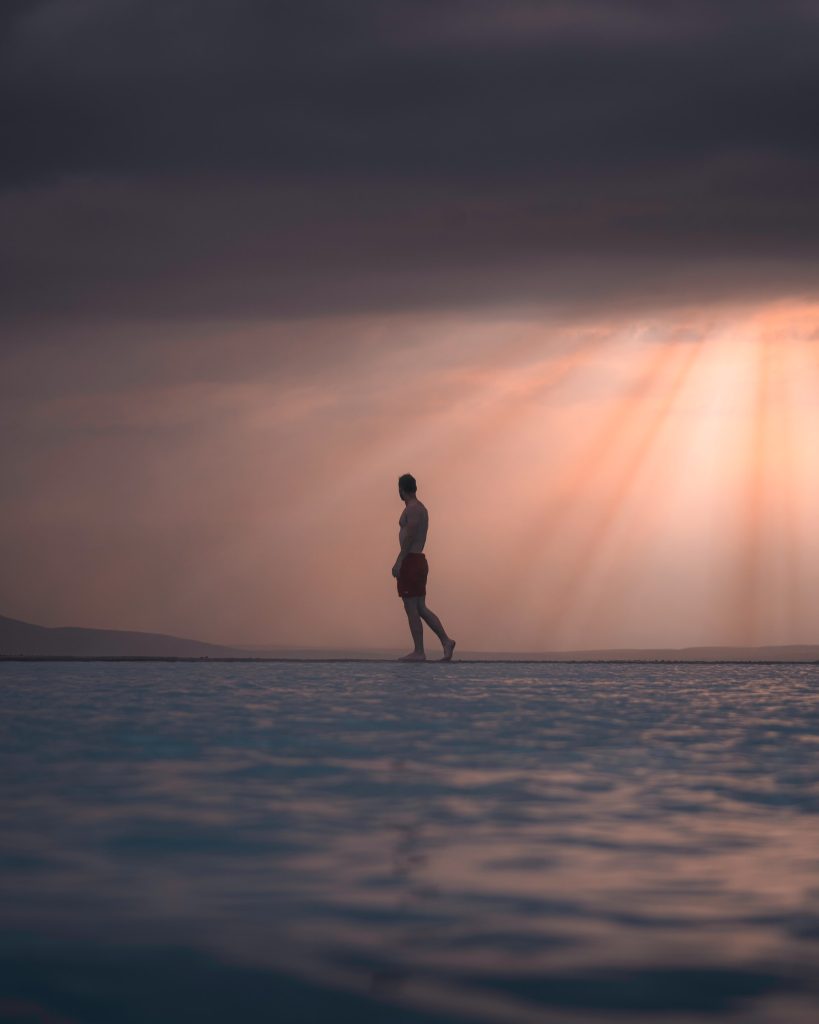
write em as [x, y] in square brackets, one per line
[248, 158]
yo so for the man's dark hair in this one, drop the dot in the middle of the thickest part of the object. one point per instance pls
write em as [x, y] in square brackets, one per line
[407, 483]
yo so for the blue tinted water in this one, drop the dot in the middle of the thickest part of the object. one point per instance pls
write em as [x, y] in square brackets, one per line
[408, 843]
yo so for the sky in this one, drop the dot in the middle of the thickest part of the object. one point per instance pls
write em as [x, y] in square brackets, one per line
[556, 259]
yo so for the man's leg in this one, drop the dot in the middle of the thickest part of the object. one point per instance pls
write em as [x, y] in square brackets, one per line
[437, 628]
[416, 628]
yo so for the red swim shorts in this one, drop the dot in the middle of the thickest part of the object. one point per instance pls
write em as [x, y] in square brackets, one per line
[412, 576]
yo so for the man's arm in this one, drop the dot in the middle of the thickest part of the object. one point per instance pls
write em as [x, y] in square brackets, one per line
[410, 530]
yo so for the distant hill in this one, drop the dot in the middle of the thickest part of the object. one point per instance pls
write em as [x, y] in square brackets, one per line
[27, 640]
[24, 639]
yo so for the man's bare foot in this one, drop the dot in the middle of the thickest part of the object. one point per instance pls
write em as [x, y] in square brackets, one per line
[449, 647]
[415, 656]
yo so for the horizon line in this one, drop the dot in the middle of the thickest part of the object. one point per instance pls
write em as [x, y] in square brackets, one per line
[427, 661]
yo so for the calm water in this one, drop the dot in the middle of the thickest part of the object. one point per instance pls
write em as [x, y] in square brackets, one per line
[409, 843]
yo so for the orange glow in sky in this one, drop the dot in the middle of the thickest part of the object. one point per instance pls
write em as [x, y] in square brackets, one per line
[646, 481]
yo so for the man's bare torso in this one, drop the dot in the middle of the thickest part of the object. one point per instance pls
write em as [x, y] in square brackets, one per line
[414, 515]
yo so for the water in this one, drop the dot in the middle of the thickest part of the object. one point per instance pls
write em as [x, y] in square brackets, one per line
[408, 844]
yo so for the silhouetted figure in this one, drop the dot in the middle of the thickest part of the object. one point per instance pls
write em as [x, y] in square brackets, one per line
[411, 570]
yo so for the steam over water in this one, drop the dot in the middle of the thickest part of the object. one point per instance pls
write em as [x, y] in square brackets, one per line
[409, 843]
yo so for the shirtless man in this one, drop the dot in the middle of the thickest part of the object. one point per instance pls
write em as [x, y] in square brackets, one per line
[411, 569]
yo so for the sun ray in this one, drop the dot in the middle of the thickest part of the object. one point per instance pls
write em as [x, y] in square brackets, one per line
[785, 598]
[504, 408]
[546, 533]
[647, 435]
[752, 513]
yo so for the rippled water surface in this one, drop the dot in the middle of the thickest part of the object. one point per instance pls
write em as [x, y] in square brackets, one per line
[409, 843]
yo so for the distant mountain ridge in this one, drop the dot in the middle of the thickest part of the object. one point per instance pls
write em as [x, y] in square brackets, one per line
[26, 640]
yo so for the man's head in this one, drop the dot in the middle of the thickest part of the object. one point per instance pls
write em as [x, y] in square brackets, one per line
[407, 486]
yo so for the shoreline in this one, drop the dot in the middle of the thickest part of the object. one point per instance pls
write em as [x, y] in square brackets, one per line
[430, 661]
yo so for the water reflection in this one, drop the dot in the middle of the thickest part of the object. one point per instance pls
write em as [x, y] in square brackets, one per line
[406, 861]
[401, 843]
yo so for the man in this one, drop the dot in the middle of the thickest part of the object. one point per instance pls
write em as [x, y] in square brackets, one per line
[411, 570]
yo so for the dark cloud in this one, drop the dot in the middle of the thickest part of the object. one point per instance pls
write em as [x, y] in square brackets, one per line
[252, 158]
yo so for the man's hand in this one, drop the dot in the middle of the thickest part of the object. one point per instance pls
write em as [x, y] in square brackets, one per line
[396, 569]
